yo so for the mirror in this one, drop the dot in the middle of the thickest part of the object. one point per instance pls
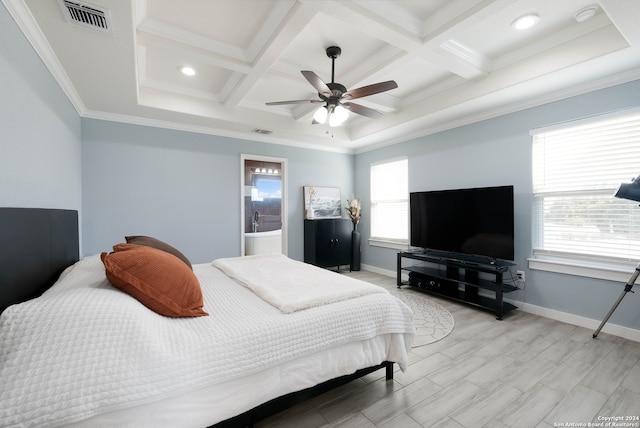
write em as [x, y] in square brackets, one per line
[263, 205]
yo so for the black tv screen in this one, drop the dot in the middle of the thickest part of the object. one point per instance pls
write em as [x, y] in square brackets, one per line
[476, 221]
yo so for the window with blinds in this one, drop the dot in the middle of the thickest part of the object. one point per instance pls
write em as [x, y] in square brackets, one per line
[577, 169]
[390, 201]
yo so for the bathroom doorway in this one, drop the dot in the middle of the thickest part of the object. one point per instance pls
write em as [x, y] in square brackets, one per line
[263, 205]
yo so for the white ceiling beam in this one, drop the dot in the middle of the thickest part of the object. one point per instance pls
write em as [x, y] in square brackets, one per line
[438, 47]
[297, 18]
[188, 38]
[458, 16]
[390, 11]
[625, 15]
[440, 44]
[216, 59]
[467, 63]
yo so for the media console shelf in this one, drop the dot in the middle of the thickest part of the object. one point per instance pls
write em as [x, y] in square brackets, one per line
[457, 279]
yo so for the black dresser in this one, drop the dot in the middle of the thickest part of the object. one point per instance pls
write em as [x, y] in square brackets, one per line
[327, 242]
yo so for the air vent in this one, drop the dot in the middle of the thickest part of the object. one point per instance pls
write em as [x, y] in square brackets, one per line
[86, 15]
[262, 131]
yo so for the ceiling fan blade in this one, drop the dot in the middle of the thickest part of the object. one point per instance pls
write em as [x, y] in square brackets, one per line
[362, 110]
[280, 103]
[317, 83]
[370, 90]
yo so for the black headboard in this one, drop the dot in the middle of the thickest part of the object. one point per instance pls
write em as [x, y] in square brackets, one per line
[36, 245]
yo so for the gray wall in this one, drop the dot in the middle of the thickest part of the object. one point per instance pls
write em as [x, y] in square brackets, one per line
[40, 130]
[498, 152]
[184, 188]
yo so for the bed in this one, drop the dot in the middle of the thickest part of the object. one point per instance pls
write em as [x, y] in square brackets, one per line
[84, 353]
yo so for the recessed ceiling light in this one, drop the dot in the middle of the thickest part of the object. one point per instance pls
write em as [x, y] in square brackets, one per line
[526, 21]
[585, 14]
[187, 71]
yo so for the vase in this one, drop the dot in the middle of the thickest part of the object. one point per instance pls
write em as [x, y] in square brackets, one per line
[355, 249]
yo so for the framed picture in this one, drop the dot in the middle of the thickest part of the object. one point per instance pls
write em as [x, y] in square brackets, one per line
[321, 202]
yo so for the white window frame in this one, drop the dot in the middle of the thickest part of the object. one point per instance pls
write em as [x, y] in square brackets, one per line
[583, 184]
[401, 199]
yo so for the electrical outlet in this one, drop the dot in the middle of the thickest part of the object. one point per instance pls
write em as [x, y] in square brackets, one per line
[520, 275]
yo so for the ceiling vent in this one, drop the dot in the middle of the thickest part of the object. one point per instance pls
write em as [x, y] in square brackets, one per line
[262, 131]
[86, 15]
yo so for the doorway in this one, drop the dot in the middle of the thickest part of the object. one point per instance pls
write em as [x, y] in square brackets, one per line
[263, 205]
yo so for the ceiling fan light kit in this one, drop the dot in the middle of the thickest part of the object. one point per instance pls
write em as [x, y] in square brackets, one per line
[332, 95]
[338, 116]
[321, 114]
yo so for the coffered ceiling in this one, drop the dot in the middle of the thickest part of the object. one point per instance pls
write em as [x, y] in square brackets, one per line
[455, 61]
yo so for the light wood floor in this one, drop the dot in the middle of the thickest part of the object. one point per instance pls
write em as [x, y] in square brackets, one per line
[524, 371]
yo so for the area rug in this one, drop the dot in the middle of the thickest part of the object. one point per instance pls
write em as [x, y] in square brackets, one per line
[431, 320]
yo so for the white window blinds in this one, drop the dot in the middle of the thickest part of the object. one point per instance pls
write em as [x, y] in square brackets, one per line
[390, 201]
[576, 171]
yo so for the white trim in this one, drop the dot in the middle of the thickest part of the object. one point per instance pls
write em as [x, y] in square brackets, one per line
[393, 198]
[27, 23]
[577, 320]
[377, 242]
[390, 160]
[580, 321]
[585, 121]
[378, 270]
[606, 272]
[509, 108]
[560, 155]
[208, 130]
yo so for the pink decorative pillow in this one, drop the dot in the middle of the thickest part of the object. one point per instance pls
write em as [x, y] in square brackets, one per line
[159, 280]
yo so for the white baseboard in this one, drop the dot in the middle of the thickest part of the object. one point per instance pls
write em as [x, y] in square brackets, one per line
[374, 269]
[614, 329]
[580, 321]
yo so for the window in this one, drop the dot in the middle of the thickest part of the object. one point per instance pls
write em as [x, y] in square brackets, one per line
[390, 201]
[576, 171]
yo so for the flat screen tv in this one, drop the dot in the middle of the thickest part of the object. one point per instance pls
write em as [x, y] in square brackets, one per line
[477, 222]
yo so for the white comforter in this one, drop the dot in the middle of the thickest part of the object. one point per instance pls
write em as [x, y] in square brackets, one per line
[85, 348]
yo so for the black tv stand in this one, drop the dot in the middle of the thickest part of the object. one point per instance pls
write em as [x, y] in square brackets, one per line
[458, 278]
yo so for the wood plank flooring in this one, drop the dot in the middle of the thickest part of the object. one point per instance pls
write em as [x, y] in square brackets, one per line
[524, 371]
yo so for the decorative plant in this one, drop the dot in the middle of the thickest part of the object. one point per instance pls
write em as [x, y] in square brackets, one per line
[354, 208]
[312, 195]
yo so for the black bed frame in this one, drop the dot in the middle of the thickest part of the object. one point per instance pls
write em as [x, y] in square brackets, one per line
[37, 244]
[279, 404]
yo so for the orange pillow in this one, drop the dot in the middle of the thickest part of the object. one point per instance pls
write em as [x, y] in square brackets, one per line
[159, 280]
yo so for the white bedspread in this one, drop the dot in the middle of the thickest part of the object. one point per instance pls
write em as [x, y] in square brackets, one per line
[85, 348]
[290, 285]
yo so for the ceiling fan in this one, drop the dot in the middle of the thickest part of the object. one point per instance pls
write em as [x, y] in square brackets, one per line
[336, 97]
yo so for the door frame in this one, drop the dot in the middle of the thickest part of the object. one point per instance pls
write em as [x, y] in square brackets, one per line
[283, 208]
